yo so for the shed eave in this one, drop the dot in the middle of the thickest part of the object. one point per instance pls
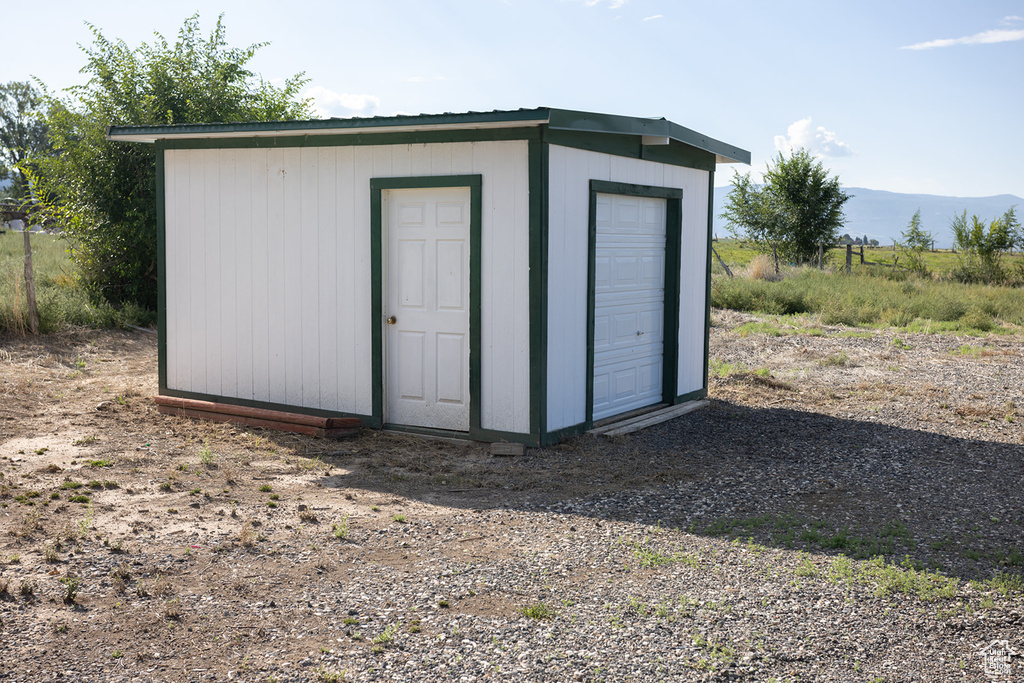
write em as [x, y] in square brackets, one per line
[651, 128]
[126, 134]
[656, 132]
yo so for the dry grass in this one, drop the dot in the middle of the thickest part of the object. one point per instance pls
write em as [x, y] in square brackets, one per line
[762, 267]
[982, 412]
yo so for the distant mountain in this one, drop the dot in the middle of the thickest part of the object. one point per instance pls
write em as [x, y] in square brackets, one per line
[883, 216]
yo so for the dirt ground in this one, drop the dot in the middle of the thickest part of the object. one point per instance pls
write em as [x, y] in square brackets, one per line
[106, 502]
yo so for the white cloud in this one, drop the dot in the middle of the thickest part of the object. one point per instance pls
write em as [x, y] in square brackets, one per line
[997, 35]
[656, 16]
[1012, 19]
[612, 4]
[328, 103]
[819, 141]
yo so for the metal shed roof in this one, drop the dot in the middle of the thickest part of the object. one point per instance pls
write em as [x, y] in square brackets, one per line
[653, 130]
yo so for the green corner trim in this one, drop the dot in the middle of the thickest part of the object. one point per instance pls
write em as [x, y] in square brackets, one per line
[538, 222]
[707, 282]
[495, 435]
[161, 273]
[673, 264]
[565, 433]
[377, 275]
[690, 396]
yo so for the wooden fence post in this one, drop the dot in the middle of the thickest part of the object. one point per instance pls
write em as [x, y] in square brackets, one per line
[722, 263]
[30, 282]
[849, 256]
[821, 256]
[862, 254]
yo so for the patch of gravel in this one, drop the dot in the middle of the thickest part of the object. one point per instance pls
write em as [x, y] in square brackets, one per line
[733, 543]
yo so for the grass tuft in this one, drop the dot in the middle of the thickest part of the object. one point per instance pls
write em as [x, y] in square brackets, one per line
[539, 611]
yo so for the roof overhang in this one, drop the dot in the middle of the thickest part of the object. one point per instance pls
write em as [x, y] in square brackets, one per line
[653, 132]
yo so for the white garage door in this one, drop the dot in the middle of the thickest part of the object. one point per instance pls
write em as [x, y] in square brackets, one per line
[629, 304]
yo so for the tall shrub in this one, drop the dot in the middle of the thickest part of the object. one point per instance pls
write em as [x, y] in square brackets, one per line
[798, 207]
[916, 241]
[104, 193]
[980, 248]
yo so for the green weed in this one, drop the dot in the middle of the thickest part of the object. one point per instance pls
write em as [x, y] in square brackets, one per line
[340, 529]
[539, 611]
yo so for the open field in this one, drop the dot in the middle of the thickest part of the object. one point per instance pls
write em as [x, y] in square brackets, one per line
[739, 253]
[848, 508]
[60, 296]
[875, 297]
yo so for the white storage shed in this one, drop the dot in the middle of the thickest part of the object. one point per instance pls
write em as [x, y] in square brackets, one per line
[504, 276]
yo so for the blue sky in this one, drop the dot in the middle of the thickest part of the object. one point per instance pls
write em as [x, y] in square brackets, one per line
[899, 95]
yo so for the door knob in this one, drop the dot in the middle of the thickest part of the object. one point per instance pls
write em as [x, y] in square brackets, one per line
[392, 320]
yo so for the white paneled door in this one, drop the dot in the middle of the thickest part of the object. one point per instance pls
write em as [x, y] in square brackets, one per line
[427, 308]
[629, 303]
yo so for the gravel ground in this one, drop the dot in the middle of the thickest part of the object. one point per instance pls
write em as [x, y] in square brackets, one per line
[848, 508]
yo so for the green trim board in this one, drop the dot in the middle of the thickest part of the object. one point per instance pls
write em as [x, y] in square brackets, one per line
[499, 118]
[675, 154]
[673, 238]
[673, 292]
[690, 396]
[629, 125]
[486, 123]
[161, 273]
[707, 281]
[537, 160]
[566, 433]
[496, 435]
[357, 140]
[377, 249]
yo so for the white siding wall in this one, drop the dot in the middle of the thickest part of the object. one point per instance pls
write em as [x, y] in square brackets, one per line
[693, 273]
[570, 173]
[268, 271]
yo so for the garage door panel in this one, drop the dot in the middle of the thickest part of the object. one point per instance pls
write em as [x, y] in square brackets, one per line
[652, 271]
[630, 269]
[626, 213]
[625, 272]
[602, 330]
[654, 218]
[627, 386]
[630, 354]
[629, 304]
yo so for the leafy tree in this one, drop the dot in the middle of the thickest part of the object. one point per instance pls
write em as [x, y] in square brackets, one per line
[916, 241]
[980, 248]
[797, 208]
[104, 193]
[22, 132]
